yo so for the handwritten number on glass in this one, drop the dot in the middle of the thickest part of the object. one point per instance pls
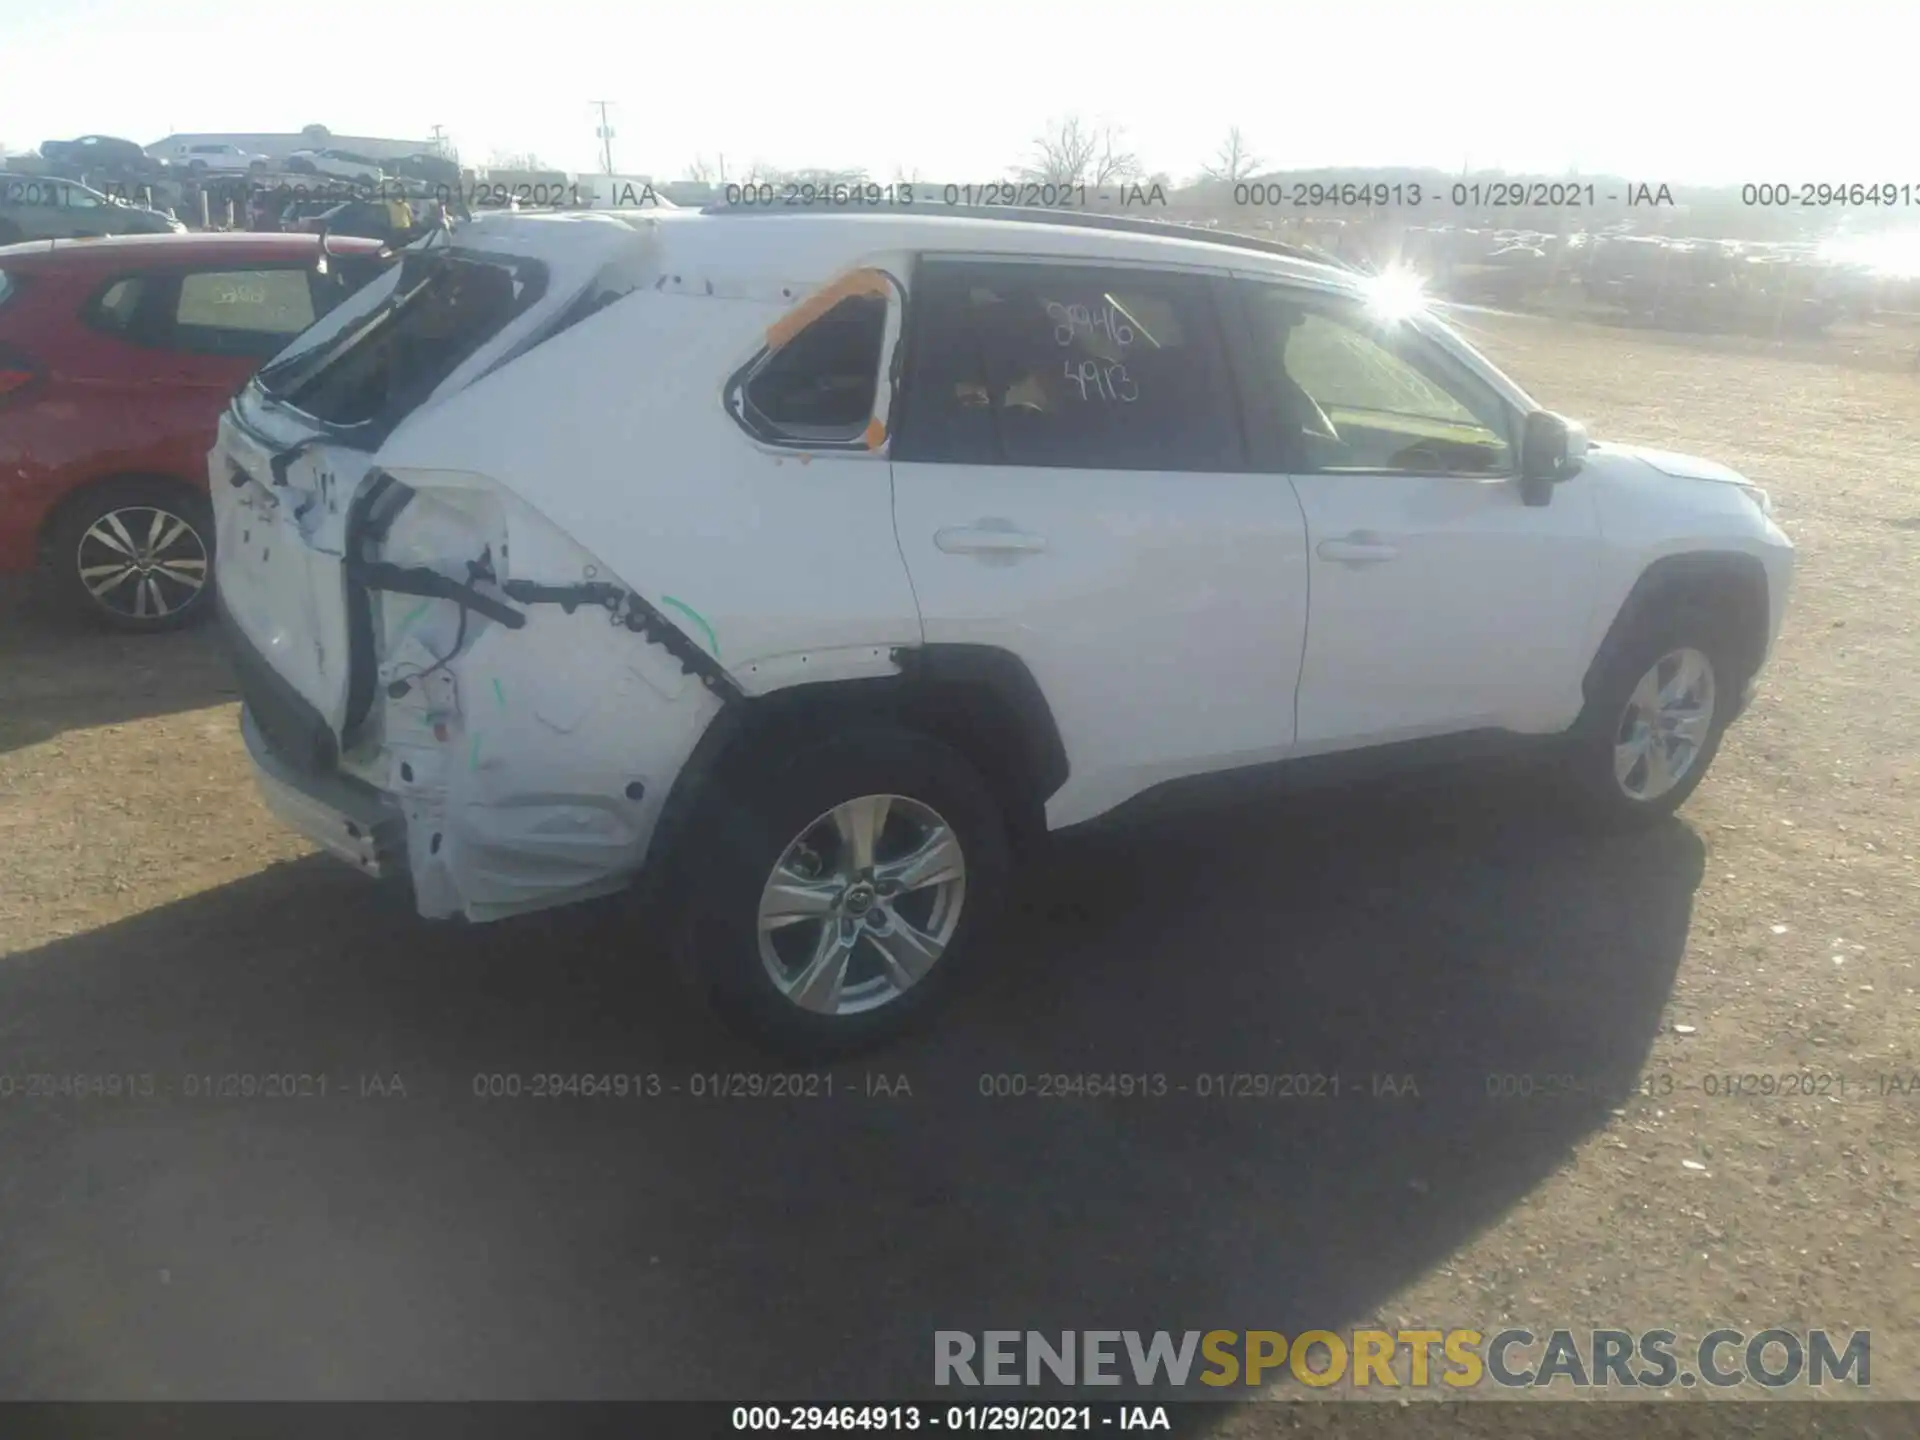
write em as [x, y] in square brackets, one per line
[1102, 382]
[1094, 379]
[1070, 321]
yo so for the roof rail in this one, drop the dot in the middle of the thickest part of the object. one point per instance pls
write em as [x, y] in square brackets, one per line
[1041, 215]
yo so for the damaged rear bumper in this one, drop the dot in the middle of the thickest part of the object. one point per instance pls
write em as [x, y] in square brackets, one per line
[343, 817]
[293, 757]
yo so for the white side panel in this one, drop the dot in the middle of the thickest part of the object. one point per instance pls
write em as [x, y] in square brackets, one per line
[776, 553]
[1162, 614]
[532, 768]
[1647, 512]
[1443, 604]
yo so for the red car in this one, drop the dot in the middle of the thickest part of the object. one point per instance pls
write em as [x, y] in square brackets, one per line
[117, 357]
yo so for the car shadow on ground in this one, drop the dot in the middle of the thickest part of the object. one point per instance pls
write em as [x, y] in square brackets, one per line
[59, 672]
[439, 1244]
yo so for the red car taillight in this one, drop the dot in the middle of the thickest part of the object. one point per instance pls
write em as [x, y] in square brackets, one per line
[16, 375]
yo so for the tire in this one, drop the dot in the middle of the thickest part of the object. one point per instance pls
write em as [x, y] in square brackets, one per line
[1667, 641]
[93, 533]
[754, 819]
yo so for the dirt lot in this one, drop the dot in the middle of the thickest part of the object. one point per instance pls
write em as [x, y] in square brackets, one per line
[154, 920]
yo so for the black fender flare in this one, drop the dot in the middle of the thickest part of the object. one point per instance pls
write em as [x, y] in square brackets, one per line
[1731, 582]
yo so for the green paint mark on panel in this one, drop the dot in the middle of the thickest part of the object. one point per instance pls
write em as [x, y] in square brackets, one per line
[413, 615]
[713, 642]
[498, 693]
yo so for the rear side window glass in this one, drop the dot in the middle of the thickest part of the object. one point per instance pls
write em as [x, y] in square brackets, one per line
[444, 308]
[118, 306]
[1068, 367]
[821, 384]
[255, 302]
[7, 287]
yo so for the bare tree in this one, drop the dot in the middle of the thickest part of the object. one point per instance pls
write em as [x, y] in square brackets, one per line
[1072, 152]
[1235, 162]
[702, 170]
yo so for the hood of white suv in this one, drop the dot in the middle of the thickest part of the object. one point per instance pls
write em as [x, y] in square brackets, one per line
[1680, 467]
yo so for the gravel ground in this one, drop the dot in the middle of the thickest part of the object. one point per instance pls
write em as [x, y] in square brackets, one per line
[154, 919]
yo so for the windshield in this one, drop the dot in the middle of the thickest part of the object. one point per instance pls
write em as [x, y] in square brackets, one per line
[441, 308]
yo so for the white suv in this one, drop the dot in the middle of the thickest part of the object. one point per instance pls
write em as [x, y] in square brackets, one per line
[813, 563]
[222, 159]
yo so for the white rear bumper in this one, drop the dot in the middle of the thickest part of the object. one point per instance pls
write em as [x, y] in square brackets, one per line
[342, 817]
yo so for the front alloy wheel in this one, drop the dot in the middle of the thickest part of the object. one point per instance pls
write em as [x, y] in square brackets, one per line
[862, 905]
[1665, 725]
[142, 565]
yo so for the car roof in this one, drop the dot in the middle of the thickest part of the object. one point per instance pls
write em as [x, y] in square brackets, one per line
[812, 245]
[111, 250]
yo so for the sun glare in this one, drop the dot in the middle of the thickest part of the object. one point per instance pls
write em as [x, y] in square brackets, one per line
[1396, 294]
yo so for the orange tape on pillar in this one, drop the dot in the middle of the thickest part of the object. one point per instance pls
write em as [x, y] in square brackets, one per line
[860, 282]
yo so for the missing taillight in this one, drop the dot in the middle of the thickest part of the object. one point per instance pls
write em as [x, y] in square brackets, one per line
[17, 371]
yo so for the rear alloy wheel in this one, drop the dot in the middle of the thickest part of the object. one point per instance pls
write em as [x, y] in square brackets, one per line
[836, 892]
[861, 906]
[138, 556]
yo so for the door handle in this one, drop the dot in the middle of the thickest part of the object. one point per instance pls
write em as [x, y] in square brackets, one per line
[987, 537]
[1362, 547]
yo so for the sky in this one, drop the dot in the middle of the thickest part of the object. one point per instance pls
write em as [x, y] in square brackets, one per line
[1677, 93]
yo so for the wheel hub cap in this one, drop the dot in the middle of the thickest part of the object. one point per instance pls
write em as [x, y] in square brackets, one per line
[1665, 725]
[862, 904]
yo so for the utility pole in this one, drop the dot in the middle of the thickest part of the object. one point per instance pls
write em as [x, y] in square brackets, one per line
[605, 132]
[439, 138]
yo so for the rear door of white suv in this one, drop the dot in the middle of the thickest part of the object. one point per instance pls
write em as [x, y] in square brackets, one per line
[1440, 602]
[1071, 484]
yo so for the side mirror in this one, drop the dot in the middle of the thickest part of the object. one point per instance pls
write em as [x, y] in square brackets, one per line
[1551, 447]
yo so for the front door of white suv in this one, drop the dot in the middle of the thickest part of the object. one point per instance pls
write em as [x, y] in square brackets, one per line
[1441, 603]
[1071, 485]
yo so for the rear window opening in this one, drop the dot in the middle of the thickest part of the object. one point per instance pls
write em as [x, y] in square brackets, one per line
[821, 384]
[443, 309]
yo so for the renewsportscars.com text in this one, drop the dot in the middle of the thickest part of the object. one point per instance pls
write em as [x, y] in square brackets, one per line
[1458, 1359]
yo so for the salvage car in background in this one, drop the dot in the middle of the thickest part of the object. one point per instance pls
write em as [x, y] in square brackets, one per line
[104, 160]
[361, 169]
[433, 169]
[217, 158]
[367, 219]
[40, 207]
[115, 360]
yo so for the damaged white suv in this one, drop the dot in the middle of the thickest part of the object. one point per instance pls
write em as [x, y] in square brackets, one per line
[812, 563]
